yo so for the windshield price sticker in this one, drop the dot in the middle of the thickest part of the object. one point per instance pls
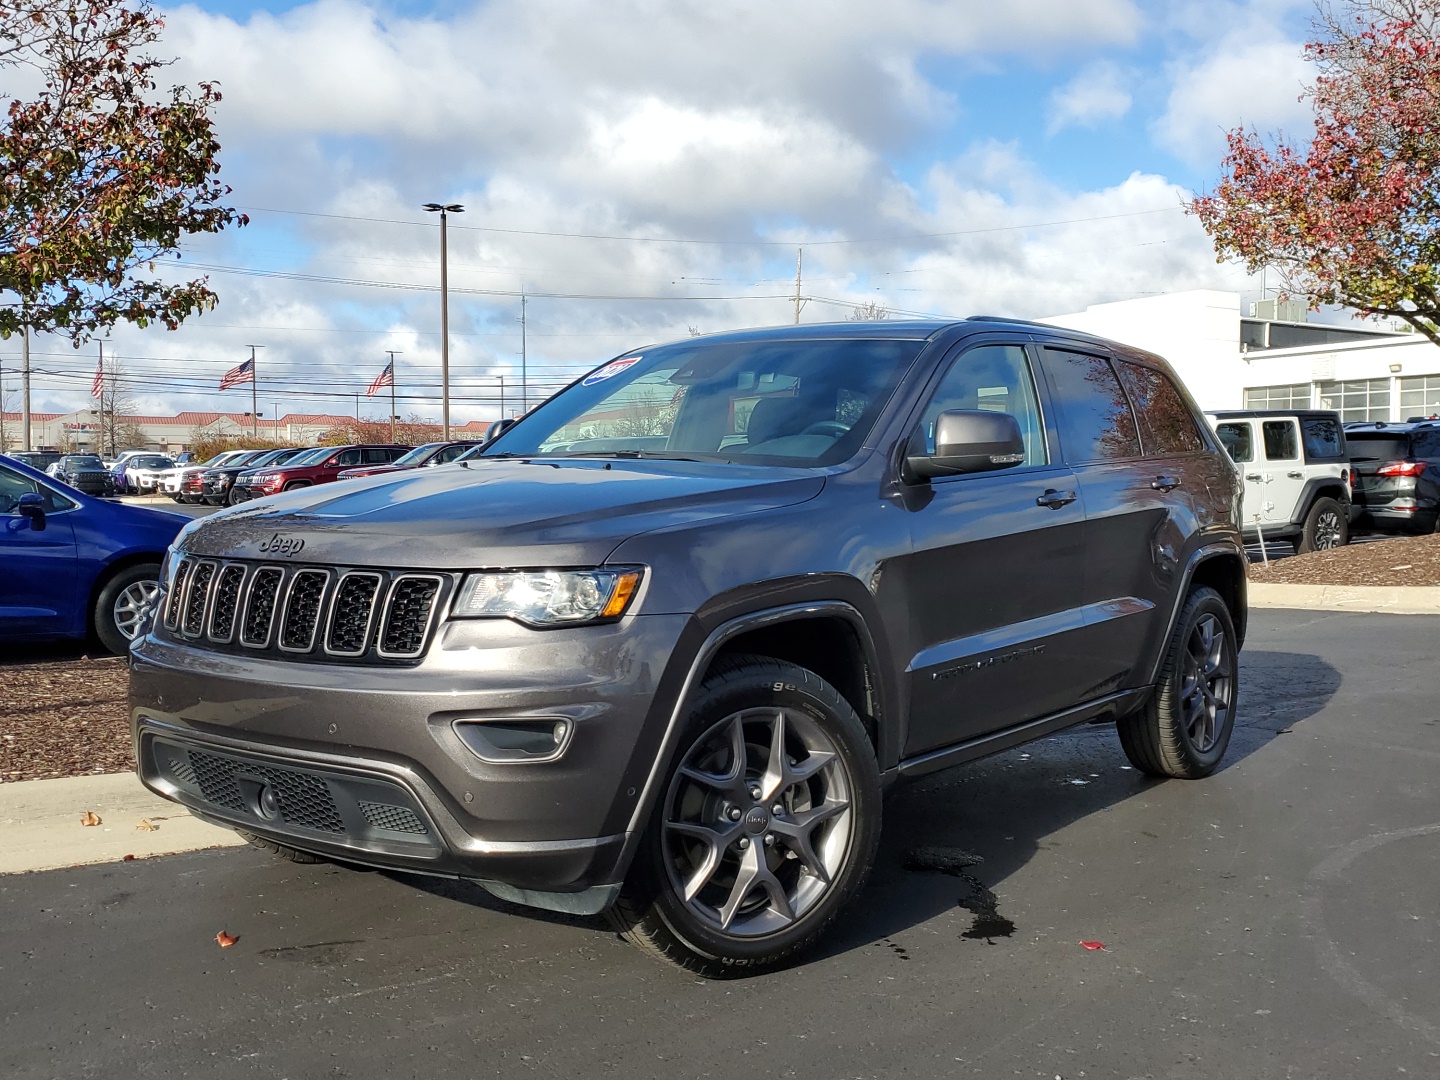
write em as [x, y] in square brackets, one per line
[610, 370]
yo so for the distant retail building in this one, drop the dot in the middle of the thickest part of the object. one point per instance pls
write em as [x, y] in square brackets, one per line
[1273, 358]
[80, 431]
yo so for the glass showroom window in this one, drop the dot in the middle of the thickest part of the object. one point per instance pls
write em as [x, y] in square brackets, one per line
[1296, 396]
[1357, 399]
[1419, 396]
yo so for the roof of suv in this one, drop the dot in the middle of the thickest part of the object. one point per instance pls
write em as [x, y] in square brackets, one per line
[1243, 414]
[1387, 427]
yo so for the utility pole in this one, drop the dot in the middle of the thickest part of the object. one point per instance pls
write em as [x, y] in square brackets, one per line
[25, 387]
[502, 397]
[101, 440]
[392, 353]
[254, 394]
[524, 375]
[275, 407]
[799, 262]
[442, 209]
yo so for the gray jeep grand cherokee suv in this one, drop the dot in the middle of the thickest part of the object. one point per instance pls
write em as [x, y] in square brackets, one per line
[658, 648]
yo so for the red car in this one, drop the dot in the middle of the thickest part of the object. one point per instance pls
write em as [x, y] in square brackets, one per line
[422, 457]
[320, 466]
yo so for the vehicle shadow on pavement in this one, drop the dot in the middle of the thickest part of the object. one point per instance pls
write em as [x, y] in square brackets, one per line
[949, 840]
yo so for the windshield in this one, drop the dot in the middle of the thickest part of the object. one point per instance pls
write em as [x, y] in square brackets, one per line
[221, 458]
[310, 457]
[84, 463]
[768, 402]
[419, 455]
[151, 463]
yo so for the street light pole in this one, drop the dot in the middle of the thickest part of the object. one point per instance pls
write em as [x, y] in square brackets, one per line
[254, 394]
[275, 408]
[25, 387]
[443, 209]
[392, 353]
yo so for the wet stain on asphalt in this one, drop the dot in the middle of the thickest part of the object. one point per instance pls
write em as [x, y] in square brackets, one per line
[988, 923]
[320, 953]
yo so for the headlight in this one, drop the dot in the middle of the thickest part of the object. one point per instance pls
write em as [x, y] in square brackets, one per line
[547, 597]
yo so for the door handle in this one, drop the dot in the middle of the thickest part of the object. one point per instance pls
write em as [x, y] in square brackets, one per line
[1254, 477]
[1165, 483]
[1055, 499]
[1295, 475]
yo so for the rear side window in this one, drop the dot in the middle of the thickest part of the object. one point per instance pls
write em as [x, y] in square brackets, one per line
[1096, 423]
[380, 455]
[1323, 437]
[1281, 442]
[1166, 424]
[1237, 442]
[1426, 444]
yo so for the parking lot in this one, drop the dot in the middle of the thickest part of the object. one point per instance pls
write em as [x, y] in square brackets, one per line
[1277, 920]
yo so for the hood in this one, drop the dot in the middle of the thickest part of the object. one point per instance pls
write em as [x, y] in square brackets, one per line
[143, 516]
[566, 512]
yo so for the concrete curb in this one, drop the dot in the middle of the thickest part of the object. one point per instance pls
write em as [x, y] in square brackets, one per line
[1391, 599]
[40, 825]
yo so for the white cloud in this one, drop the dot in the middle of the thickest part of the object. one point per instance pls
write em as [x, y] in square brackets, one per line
[1249, 78]
[1096, 94]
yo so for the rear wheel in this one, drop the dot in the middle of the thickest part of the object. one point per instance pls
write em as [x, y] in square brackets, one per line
[1184, 729]
[122, 604]
[1327, 526]
[765, 828]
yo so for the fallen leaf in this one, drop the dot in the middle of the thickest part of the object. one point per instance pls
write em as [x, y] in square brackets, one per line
[225, 940]
[90, 818]
[1094, 945]
[145, 826]
[128, 858]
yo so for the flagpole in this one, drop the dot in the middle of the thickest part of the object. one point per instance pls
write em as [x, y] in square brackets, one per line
[254, 395]
[392, 353]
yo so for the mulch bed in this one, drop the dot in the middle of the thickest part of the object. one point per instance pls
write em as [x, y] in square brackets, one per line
[64, 717]
[1409, 560]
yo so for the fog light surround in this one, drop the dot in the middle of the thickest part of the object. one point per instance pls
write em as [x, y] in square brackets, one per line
[516, 740]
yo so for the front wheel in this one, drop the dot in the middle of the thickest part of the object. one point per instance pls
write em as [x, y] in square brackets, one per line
[1184, 729]
[122, 604]
[1327, 526]
[765, 828]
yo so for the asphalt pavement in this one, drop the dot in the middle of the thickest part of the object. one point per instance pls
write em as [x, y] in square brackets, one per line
[1277, 920]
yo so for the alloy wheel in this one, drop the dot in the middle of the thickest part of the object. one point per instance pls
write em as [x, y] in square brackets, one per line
[758, 821]
[1327, 531]
[1208, 682]
[131, 605]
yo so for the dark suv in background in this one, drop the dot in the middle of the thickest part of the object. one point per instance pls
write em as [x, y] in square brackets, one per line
[1397, 475]
[658, 648]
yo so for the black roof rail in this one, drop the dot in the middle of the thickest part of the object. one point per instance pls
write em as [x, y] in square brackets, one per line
[1018, 322]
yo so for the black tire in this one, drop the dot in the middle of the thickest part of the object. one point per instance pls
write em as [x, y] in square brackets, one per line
[280, 851]
[1167, 737]
[111, 626]
[1327, 526]
[740, 693]
[296, 484]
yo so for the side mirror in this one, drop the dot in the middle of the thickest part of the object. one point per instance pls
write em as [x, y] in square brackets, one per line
[497, 429]
[969, 441]
[32, 506]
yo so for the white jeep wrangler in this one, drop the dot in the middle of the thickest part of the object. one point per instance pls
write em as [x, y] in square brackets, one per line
[1296, 469]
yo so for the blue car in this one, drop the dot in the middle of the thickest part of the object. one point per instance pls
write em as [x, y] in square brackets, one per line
[72, 566]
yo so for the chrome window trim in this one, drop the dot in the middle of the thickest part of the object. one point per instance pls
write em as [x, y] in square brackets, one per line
[285, 609]
[380, 649]
[369, 617]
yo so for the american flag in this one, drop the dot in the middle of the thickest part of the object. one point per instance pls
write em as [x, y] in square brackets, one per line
[237, 376]
[97, 388]
[384, 379]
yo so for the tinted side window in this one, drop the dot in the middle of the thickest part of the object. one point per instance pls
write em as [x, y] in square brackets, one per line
[13, 485]
[1426, 444]
[1323, 437]
[1096, 423]
[379, 455]
[1237, 442]
[1281, 443]
[346, 457]
[1166, 425]
[450, 453]
[995, 378]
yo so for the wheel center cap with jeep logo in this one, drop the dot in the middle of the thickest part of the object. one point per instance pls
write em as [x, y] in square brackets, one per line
[757, 820]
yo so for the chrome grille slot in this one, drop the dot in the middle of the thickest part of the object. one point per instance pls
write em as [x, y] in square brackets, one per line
[173, 602]
[301, 621]
[260, 607]
[408, 611]
[197, 596]
[352, 611]
[226, 603]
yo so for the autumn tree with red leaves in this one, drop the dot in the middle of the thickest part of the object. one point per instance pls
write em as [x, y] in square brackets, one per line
[101, 174]
[1354, 217]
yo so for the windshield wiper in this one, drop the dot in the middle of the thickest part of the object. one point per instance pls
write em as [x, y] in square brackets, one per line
[652, 455]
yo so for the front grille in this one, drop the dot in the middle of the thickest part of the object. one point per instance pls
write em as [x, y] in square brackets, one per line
[392, 818]
[305, 612]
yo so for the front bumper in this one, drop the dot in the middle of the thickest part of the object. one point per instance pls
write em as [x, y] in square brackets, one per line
[212, 730]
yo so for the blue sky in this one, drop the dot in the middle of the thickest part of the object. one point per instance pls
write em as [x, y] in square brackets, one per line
[945, 156]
